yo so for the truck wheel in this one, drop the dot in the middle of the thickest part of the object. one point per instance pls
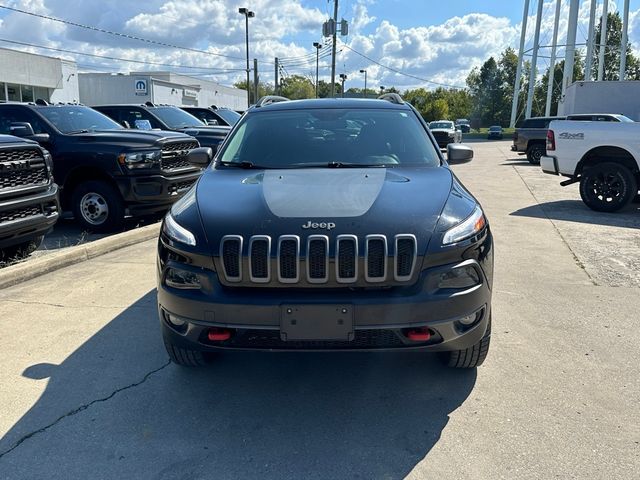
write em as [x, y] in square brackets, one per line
[607, 187]
[21, 250]
[470, 357]
[185, 357]
[535, 152]
[97, 206]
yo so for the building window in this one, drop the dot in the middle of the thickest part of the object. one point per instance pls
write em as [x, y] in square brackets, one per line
[41, 92]
[27, 93]
[3, 93]
[13, 92]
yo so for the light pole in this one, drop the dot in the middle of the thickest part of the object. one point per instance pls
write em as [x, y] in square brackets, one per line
[317, 47]
[381, 89]
[247, 15]
[364, 93]
[343, 77]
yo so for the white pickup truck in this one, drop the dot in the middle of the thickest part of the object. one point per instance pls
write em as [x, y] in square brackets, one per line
[603, 156]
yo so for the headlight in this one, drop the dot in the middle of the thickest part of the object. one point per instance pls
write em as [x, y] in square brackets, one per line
[135, 160]
[452, 134]
[473, 224]
[177, 232]
[48, 160]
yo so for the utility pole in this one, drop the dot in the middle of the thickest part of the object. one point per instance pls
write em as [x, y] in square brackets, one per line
[333, 49]
[592, 26]
[317, 46]
[569, 55]
[255, 80]
[276, 86]
[364, 92]
[552, 61]
[603, 39]
[516, 87]
[623, 42]
[534, 61]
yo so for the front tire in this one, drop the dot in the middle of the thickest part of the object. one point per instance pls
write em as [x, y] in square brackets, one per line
[185, 357]
[471, 357]
[98, 206]
[607, 187]
[535, 153]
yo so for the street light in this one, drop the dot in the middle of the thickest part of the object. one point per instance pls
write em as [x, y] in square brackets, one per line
[247, 15]
[318, 47]
[364, 94]
[381, 89]
[343, 77]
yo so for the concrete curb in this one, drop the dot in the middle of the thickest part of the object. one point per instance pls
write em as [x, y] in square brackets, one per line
[32, 268]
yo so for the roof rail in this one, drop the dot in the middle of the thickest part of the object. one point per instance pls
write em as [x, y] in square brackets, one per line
[392, 97]
[269, 99]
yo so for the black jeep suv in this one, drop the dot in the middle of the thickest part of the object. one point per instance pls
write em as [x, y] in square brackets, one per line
[327, 224]
[165, 117]
[104, 170]
[28, 197]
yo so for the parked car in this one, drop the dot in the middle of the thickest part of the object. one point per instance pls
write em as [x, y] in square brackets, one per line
[495, 133]
[214, 116]
[165, 117]
[530, 137]
[464, 125]
[28, 196]
[104, 170]
[604, 157]
[445, 132]
[302, 237]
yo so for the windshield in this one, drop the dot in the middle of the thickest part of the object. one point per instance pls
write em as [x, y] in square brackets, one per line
[176, 118]
[76, 119]
[441, 125]
[330, 137]
[495, 129]
[624, 119]
[230, 116]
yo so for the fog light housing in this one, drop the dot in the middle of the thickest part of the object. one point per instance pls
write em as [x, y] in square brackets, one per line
[181, 279]
[466, 322]
[459, 277]
[468, 319]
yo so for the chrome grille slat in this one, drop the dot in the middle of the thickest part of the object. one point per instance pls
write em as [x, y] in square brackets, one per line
[260, 258]
[318, 259]
[289, 259]
[319, 254]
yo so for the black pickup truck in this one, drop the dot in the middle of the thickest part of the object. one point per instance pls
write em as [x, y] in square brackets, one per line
[165, 117]
[105, 171]
[28, 196]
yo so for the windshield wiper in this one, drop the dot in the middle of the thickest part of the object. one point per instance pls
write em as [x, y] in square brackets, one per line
[355, 165]
[244, 164]
[73, 132]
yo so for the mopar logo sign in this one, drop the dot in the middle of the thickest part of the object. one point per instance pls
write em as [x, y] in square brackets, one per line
[141, 86]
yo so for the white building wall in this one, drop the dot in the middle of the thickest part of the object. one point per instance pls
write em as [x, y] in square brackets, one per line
[602, 97]
[68, 89]
[100, 88]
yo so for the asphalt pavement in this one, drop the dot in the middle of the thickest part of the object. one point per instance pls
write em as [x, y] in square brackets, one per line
[87, 390]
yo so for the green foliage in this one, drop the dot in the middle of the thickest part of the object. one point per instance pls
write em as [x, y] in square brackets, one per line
[441, 103]
[296, 87]
[263, 89]
[612, 52]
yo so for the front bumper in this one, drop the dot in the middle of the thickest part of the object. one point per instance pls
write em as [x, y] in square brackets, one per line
[381, 318]
[28, 217]
[549, 164]
[154, 193]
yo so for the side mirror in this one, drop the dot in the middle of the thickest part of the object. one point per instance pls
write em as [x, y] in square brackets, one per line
[125, 124]
[200, 157]
[21, 129]
[457, 153]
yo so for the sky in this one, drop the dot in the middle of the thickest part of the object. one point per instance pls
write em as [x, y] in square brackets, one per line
[401, 43]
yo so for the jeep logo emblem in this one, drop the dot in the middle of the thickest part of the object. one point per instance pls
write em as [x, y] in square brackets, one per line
[322, 225]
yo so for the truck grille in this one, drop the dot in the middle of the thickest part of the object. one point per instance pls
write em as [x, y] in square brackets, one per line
[20, 213]
[174, 155]
[22, 168]
[290, 264]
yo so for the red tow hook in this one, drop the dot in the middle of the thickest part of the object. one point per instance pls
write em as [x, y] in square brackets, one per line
[421, 334]
[218, 334]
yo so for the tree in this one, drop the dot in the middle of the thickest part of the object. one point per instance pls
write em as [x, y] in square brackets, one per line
[296, 87]
[540, 90]
[486, 87]
[612, 52]
[263, 89]
[324, 89]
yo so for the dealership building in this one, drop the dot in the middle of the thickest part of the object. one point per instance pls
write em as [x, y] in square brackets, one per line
[25, 77]
[159, 88]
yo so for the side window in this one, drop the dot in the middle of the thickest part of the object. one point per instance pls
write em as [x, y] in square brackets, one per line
[9, 115]
[112, 113]
[132, 115]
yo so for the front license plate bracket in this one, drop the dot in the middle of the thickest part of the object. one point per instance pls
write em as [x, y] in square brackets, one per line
[316, 322]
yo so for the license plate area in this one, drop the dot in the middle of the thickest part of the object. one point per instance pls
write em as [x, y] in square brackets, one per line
[316, 322]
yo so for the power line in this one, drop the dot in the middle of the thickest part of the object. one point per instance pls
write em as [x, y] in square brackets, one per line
[215, 70]
[117, 34]
[400, 72]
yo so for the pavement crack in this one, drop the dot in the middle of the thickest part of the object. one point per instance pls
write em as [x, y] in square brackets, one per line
[555, 227]
[82, 408]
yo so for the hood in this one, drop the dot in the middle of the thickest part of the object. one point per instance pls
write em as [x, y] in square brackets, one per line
[6, 139]
[130, 138]
[357, 201]
[206, 131]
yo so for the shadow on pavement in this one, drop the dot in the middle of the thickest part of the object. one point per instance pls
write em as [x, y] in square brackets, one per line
[521, 162]
[248, 415]
[577, 211]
